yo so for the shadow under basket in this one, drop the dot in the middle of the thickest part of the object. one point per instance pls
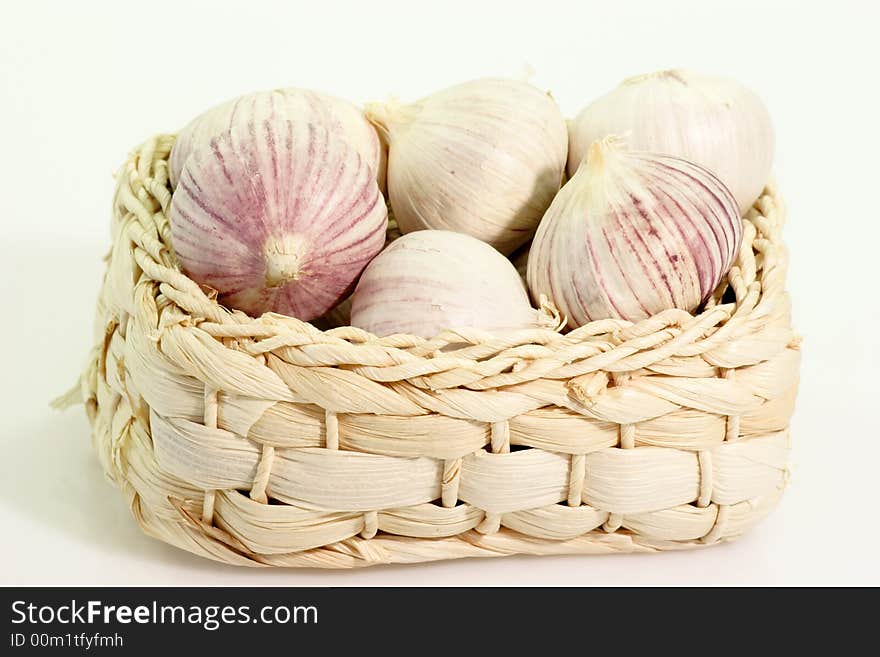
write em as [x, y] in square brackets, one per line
[267, 442]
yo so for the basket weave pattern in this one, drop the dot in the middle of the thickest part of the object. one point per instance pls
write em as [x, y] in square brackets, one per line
[269, 442]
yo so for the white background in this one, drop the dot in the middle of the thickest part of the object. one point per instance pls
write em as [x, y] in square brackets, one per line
[80, 84]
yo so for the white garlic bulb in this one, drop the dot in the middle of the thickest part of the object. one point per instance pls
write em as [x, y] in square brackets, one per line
[483, 158]
[633, 234]
[333, 114]
[432, 280]
[714, 122]
[277, 215]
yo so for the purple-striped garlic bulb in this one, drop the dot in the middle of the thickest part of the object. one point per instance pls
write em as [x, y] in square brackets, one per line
[715, 122]
[633, 234]
[483, 158]
[277, 215]
[431, 280]
[335, 115]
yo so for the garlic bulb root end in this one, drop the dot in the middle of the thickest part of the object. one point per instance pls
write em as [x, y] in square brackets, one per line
[283, 259]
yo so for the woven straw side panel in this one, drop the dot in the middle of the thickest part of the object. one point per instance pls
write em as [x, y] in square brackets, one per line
[269, 442]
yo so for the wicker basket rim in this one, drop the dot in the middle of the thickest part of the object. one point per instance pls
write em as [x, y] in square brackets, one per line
[756, 277]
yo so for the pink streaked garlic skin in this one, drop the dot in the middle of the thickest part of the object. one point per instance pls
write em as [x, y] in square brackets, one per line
[633, 234]
[277, 215]
[335, 115]
[432, 280]
[714, 122]
[483, 158]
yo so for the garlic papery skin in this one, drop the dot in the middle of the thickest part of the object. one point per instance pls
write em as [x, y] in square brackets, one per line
[633, 234]
[277, 215]
[483, 158]
[714, 122]
[432, 280]
[335, 115]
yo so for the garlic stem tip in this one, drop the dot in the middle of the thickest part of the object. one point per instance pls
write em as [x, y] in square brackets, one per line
[388, 115]
[676, 74]
[596, 156]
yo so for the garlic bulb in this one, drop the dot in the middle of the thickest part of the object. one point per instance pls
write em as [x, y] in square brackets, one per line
[277, 215]
[714, 122]
[632, 234]
[333, 114]
[483, 158]
[432, 280]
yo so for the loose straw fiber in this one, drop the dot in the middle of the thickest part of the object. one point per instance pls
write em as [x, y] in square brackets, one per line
[269, 442]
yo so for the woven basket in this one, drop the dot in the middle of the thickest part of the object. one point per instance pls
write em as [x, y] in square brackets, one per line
[269, 442]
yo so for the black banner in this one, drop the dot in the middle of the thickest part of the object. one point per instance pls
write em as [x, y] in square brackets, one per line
[264, 620]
